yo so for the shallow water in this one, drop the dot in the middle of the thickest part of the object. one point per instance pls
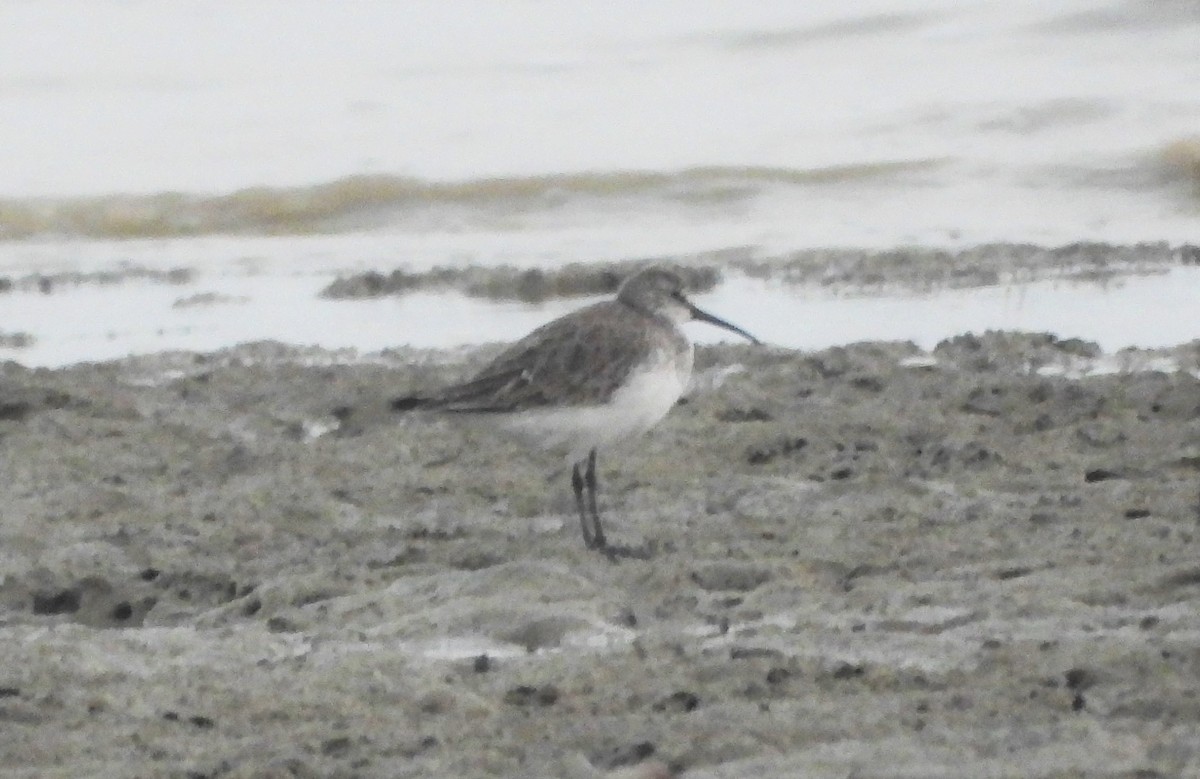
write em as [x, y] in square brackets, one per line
[98, 322]
[1149, 311]
[467, 133]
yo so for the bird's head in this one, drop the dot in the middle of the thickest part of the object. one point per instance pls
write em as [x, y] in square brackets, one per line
[660, 293]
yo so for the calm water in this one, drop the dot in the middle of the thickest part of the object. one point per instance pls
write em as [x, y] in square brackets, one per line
[306, 137]
[97, 322]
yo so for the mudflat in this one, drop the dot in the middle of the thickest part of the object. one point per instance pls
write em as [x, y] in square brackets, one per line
[870, 561]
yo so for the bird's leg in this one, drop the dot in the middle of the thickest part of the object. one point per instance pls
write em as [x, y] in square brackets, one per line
[577, 485]
[589, 477]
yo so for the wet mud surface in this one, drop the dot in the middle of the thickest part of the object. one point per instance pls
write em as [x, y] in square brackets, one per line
[870, 561]
[912, 268]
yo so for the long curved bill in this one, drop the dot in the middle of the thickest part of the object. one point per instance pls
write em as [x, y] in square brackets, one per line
[704, 316]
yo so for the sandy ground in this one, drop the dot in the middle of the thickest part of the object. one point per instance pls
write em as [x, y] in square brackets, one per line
[868, 562]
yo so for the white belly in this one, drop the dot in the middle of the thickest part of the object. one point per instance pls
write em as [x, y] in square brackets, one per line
[633, 409]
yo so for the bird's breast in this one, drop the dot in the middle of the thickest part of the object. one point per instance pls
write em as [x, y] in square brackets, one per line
[652, 389]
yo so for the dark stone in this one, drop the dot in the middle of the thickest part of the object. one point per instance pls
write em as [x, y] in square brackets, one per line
[847, 671]
[14, 411]
[1079, 679]
[407, 403]
[62, 602]
[744, 415]
[630, 755]
[1185, 578]
[279, 624]
[335, 747]
[678, 701]
[765, 453]
[985, 401]
[526, 695]
[751, 652]
[868, 383]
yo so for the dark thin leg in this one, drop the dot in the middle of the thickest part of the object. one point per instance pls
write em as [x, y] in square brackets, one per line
[589, 477]
[583, 481]
[577, 485]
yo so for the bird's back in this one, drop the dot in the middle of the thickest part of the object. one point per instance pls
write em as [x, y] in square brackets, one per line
[580, 359]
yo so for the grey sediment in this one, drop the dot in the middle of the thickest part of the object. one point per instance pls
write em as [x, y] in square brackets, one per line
[870, 560]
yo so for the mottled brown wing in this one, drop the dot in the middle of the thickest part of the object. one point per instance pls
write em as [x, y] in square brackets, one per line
[579, 359]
